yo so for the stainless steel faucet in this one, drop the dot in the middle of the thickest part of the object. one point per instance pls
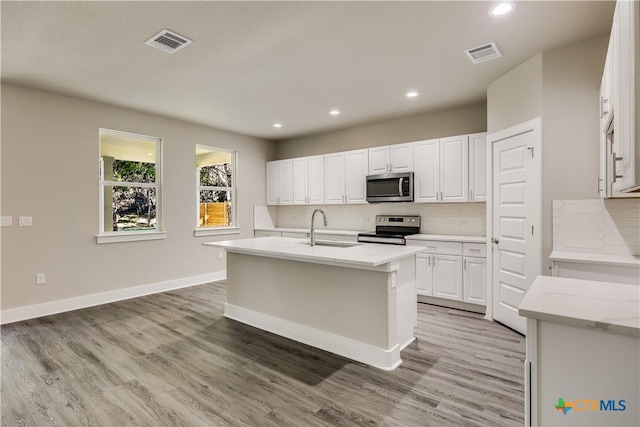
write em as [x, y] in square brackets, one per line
[312, 238]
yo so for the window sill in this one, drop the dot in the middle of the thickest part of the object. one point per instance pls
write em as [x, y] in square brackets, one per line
[130, 237]
[199, 232]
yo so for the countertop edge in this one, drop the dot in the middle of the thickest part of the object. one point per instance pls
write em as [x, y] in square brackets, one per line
[590, 258]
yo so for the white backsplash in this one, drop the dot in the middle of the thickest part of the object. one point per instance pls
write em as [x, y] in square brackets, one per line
[466, 219]
[597, 226]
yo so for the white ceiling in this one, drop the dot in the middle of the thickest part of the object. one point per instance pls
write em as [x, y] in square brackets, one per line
[255, 63]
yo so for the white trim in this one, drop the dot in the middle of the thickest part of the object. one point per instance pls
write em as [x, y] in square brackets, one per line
[219, 231]
[53, 307]
[129, 184]
[130, 236]
[361, 352]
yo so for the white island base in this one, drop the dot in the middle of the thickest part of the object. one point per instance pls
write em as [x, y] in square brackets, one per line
[358, 310]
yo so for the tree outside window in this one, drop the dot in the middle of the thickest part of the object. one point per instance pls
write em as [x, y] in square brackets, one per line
[215, 169]
[129, 170]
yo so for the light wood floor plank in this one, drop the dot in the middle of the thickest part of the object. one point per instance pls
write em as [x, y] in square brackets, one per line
[172, 359]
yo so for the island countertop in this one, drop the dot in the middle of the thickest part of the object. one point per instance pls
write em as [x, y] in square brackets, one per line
[361, 255]
[612, 307]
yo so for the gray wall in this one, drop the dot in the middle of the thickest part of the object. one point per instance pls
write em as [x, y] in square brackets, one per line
[562, 86]
[515, 97]
[469, 119]
[50, 172]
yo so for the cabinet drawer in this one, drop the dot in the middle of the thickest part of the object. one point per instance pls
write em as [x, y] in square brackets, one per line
[436, 247]
[475, 249]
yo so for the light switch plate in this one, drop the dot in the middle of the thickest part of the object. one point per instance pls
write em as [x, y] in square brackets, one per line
[6, 221]
[25, 221]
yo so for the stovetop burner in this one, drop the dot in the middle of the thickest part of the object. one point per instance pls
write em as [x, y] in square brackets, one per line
[392, 229]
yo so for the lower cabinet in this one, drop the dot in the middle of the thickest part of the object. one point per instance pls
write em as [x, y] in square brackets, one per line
[444, 271]
[474, 280]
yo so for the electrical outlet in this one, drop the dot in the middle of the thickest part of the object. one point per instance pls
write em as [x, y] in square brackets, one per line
[25, 221]
[220, 254]
[6, 221]
[40, 279]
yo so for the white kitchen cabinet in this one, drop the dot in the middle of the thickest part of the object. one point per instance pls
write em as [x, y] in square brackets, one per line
[447, 277]
[345, 177]
[454, 169]
[441, 170]
[619, 104]
[391, 159]
[280, 182]
[478, 167]
[474, 280]
[307, 180]
[426, 180]
[424, 274]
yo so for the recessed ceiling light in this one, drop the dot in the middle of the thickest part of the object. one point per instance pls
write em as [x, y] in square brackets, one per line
[334, 112]
[502, 8]
[411, 94]
[277, 125]
[149, 154]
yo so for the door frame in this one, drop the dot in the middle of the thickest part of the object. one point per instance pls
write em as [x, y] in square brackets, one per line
[535, 126]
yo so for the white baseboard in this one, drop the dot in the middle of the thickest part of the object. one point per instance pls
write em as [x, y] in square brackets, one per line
[365, 353]
[54, 307]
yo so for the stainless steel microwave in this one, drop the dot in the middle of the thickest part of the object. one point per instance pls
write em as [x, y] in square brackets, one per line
[390, 187]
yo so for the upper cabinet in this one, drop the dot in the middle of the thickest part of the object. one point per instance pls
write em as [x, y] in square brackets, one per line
[445, 170]
[280, 182]
[478, 167]
[620, 105]
[345, 177]
[308, 182]
[391, 159]
[442, 170]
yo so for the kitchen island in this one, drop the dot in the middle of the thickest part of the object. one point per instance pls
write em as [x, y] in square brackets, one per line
[354, 300]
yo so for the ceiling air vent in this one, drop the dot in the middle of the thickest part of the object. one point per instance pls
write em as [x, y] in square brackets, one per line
[483, 53]
[168, 41]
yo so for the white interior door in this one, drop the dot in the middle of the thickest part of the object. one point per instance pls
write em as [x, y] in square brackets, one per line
[515, 217]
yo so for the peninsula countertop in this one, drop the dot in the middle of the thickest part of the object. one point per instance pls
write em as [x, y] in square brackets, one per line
[611, 307]
[360, 255]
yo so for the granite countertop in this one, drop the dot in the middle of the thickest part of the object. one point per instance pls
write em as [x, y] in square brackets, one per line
[591, 258]
[440, 237]
[610, 307]
[306, 230]
[359, 255]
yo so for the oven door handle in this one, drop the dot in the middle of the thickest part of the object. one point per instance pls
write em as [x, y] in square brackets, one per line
[400, 186]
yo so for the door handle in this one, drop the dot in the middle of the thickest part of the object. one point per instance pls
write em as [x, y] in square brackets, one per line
[495, 240]
[400, 186]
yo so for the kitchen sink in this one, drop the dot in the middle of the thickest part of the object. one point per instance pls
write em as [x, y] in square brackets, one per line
[333, 243]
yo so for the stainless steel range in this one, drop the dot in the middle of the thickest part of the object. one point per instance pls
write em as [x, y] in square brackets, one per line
[392, 229]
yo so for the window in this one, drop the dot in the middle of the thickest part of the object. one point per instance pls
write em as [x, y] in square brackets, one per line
[130, 191]
[216, 190]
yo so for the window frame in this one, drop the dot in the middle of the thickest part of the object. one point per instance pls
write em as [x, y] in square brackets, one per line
[218, 230]
[130, 236]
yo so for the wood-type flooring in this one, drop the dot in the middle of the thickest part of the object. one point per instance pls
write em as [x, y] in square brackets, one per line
[172, 359]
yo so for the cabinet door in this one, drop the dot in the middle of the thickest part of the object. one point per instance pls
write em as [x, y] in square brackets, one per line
[447, 277]
[474, 280]
[401, 157]
[334, 178]
[356, 164]
[285, 182]
[300, 181]
[424, 275]
[316, 180]
[478, 167]
[272, 183]
[379, 160]
[427, 170]
[454, 169]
